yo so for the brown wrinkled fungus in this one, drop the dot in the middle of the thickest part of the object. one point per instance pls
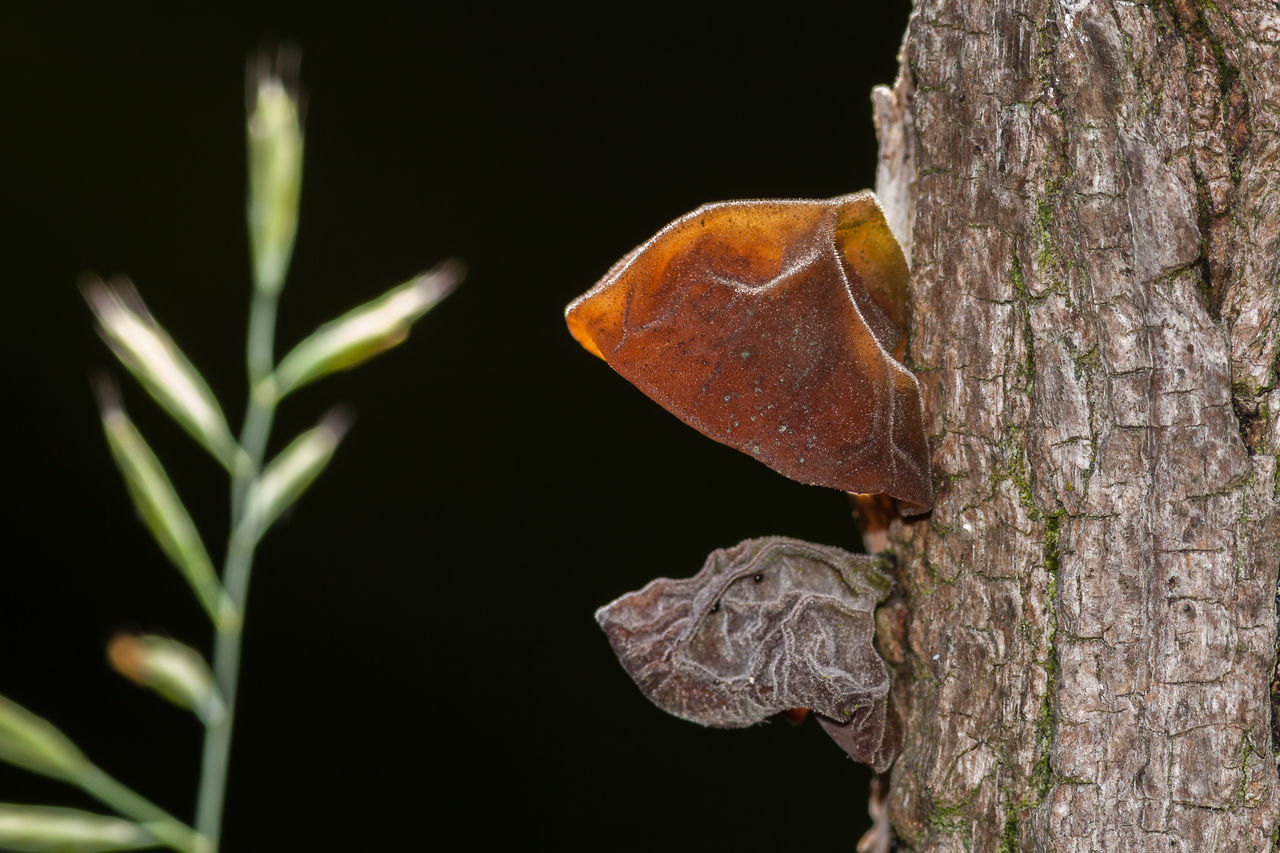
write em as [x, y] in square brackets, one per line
[772, 327]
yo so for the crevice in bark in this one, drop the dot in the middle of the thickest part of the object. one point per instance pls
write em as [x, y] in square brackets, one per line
[1218, 113]
[1028, 367]
[1251, 422]
[1043, 773]
[1235, 101]
[1009, 843]
[1275, 691]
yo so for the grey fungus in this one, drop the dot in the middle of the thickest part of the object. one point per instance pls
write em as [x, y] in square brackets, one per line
[793, 628]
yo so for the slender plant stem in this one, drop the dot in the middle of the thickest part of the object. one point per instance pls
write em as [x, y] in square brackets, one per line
[238, 566]
[165, 827]
[226, 671]
[262, 408]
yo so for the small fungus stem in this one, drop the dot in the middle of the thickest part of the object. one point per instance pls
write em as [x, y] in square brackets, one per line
[873, 514]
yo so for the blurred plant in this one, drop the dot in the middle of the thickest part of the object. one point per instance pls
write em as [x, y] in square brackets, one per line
[259, 493]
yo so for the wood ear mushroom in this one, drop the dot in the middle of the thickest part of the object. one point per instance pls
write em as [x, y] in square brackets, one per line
[774, 327]
[768, 625]
[777, 328]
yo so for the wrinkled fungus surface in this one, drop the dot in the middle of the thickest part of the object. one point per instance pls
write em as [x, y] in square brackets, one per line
[772, 327]
[768, 625]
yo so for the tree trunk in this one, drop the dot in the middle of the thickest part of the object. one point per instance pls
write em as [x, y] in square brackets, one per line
[1087, 631]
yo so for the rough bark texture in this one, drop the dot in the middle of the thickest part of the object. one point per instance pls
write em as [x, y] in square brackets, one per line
[1087, 630]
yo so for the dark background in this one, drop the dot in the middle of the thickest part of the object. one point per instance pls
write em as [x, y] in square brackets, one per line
[424, 617]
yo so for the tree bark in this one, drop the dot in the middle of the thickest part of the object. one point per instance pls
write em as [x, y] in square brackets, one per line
[1089, 194]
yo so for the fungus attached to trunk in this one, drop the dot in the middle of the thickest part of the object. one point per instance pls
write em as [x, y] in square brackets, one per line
[766, 626]
[772, 327]
[775, 327]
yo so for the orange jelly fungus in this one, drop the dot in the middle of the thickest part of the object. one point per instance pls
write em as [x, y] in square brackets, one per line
[772, 327]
